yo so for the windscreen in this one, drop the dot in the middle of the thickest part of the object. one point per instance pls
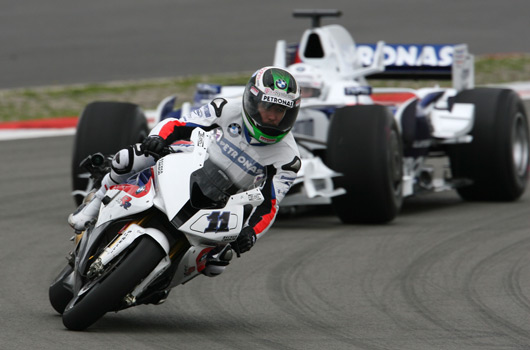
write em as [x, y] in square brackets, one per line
[228, 169]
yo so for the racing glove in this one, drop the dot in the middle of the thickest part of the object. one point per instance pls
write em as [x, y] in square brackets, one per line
[245, 240]
[153, 144]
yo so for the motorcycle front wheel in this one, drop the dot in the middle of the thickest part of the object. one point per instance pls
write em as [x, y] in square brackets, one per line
[108, 294]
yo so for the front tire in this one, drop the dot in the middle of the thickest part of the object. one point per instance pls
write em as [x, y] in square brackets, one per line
[58, 294]
[497, 159]
[364, 145]
[109, 293]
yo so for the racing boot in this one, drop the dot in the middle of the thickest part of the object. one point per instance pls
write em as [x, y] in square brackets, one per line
[218, 260]
[86, 213]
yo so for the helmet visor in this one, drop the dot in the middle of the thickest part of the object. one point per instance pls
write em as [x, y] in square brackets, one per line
[272, 114]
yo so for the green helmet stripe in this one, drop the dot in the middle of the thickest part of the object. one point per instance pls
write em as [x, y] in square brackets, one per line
[260, 135]
[280, 75]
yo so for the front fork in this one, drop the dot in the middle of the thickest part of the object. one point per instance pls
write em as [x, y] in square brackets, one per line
[124, 240]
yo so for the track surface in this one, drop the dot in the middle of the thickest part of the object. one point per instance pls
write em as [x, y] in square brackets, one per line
[60, 41]
[446, 274]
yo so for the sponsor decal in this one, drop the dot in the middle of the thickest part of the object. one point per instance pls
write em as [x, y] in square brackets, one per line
[160, 166]
[259, 74]
[134, 190]
[125, 202]
[460, 54]
[357, 90]
[200, 141]
[218, 134]
[283, 193]
[281, 84]
[202, 259]
[117, 243]
[203, 112]
[234, 129]
[277, 100]
[258, 179]
[229, 238]
[243, 160]
[266, 139]
[188, 270]
[401, 55]
[254, 197]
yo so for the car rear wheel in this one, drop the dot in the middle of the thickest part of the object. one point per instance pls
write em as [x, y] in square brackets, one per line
[497, 159]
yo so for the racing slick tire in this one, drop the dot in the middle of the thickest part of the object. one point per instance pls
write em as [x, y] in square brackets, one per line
[365, 146]
[105, 127]
[108, 294]
[58, 294]
[497, 159]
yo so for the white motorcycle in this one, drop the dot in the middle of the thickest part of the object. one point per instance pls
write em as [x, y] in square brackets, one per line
[175, 221]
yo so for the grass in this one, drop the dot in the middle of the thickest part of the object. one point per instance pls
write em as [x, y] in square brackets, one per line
[46, 102]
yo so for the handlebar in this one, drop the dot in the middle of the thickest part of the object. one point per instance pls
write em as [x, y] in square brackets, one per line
[165, 151]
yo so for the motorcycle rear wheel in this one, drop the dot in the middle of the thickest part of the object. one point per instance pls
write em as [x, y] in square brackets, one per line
[109, 293]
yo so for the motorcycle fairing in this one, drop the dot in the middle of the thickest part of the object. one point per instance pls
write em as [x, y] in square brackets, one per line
[126, 200]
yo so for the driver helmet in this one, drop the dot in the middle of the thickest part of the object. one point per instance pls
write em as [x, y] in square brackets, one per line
[271, 102]
[309, 78]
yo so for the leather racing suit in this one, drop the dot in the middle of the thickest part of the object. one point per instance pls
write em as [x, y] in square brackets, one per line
[246, 160]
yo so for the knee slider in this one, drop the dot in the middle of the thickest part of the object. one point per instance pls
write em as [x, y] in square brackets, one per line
[213, 270]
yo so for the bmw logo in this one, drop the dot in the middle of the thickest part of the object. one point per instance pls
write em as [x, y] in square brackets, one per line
[281, 84]
[234, 129]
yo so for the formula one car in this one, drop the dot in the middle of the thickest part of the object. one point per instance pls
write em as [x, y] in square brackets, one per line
[386, 143]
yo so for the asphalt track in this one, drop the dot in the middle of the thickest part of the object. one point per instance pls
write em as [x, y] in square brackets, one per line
[446, 274]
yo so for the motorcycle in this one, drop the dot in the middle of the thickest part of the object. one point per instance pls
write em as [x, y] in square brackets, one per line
[169, 224]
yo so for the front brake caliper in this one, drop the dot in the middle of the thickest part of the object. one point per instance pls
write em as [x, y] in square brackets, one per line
[96, 269]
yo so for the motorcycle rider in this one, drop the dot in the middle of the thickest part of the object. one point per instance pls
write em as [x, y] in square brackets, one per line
[254, 135]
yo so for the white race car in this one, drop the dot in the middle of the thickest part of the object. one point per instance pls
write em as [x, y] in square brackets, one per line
[365, 149]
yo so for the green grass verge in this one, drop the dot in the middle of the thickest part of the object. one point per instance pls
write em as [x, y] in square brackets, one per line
[46, 102]
[53, 101]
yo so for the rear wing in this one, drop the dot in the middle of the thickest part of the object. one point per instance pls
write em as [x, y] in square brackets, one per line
[405, 62]
[423, 61]
[331, 47]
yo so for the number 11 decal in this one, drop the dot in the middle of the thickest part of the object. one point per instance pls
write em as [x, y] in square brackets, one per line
[218, 221]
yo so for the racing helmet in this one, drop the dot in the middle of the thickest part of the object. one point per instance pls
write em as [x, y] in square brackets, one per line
[270, 90]
[310, 79]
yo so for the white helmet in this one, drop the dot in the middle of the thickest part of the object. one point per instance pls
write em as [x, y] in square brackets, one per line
[269, 87]
[309, 78]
